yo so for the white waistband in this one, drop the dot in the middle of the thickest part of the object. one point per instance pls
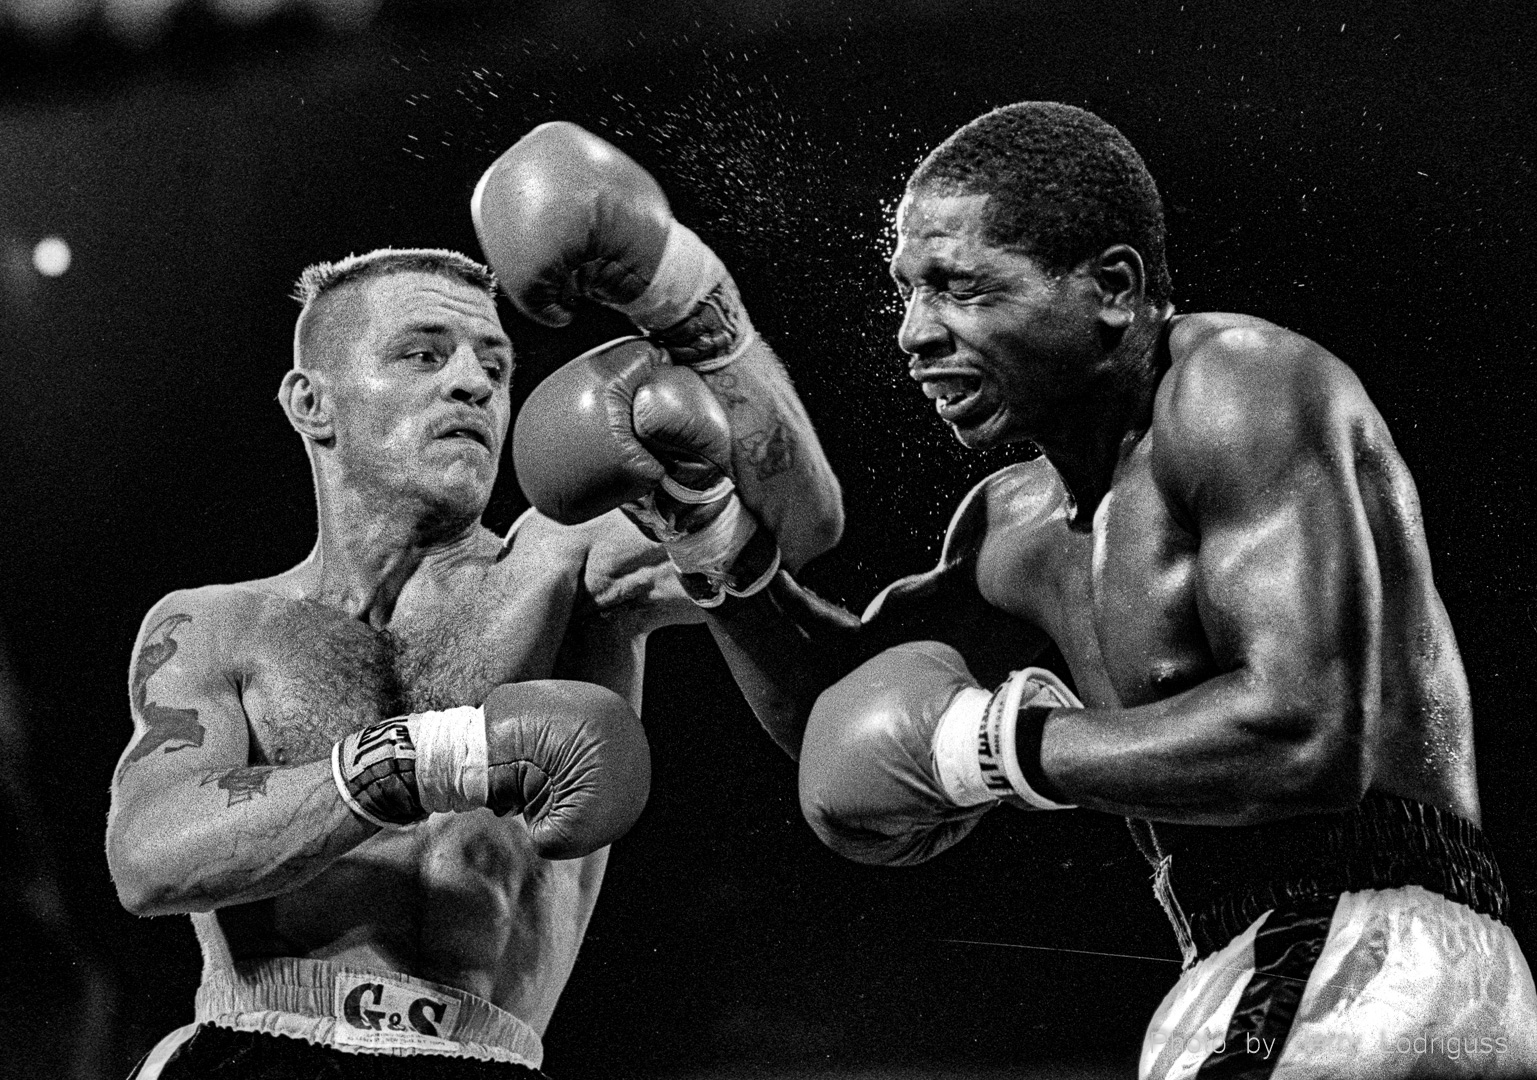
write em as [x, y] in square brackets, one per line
[361, 1011]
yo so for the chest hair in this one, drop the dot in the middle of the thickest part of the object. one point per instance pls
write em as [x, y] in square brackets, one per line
[323, 675]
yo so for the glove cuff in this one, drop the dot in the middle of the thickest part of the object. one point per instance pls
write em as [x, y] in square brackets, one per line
[759, 557]
[976, 743]
[1028, 697]
[692, 305]
[375, 773]
[713, 549]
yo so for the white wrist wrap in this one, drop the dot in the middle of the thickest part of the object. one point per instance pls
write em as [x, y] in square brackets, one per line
[684, 277]
[451, 758]
[713, 549]
[687, 276]
[976, 745]
[955, 749]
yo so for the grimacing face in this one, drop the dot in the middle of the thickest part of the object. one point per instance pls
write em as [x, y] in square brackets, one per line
[422, 403]
[995, 342]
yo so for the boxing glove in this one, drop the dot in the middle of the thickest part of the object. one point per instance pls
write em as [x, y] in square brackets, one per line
[902, 757]
[574, 446]
[571, 757]
[619, 427]
[563, 215]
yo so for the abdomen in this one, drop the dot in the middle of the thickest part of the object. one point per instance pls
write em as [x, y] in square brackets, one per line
[460, 899]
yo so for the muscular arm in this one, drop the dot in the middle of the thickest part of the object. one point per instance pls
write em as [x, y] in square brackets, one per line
[193, 824]
[781, 470]
[1257, 452]
[786, 645]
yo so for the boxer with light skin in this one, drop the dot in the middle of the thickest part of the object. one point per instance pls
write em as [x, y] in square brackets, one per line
[383, 782]
[1223, 545]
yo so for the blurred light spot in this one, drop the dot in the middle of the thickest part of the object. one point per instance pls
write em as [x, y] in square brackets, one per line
[51, 256]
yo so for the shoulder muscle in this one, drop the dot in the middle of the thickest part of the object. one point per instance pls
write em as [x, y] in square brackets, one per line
[1248, 406]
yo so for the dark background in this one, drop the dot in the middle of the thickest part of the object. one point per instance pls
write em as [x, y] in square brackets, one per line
[1363, 176]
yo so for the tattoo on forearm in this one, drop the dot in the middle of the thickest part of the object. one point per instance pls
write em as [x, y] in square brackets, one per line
[255, 860]
[163, 725]
[243, 785]
[769, 451]
[726, 389]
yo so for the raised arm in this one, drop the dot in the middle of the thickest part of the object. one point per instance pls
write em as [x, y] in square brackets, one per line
[193, 824]
[564, 215]
[1260, 453]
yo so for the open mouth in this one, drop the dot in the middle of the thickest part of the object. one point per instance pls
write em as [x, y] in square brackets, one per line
[469, 433]
[952, 395]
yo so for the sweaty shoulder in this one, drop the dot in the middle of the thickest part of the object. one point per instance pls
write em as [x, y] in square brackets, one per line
[1008, 505]
[1245, 400]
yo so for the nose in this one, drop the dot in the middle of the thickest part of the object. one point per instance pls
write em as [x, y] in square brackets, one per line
[921, 333]
[468, 381]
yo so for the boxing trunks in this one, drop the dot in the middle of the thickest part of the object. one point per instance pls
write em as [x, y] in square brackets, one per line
[291, 1018]
[1371, 943]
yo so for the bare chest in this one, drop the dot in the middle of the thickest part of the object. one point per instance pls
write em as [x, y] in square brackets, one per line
[310, 674]
[1142, 585]
[1120, 601]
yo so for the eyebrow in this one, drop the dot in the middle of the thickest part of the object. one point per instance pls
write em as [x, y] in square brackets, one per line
[939, 266]
[437, 329]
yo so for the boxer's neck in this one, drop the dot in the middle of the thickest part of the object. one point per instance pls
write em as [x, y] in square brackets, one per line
[1107, 422]
[369, 547]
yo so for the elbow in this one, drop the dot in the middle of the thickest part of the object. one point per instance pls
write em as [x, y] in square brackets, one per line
[1330, 776]
[138, 872]
[828, 521]
[817, 532]
[136, 890]
[1327, 768]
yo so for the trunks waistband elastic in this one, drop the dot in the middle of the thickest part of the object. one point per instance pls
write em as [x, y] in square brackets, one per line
[361, 1011]
[1220, 878]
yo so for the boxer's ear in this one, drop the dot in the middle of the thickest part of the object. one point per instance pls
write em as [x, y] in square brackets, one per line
[1121, 280]
[304, 400]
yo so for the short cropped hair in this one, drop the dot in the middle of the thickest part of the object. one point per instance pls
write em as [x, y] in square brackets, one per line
[324, 329]
[1063, 184]
[323, 277]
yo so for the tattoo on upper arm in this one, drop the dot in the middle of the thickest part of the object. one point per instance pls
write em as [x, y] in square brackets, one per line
[163, 725]
[242, 784]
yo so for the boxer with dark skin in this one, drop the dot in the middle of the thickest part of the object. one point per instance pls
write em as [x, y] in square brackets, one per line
[439, 943]
[1224, 546]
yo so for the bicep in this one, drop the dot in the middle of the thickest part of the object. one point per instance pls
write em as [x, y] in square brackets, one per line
[1287, 586]
[187, 716]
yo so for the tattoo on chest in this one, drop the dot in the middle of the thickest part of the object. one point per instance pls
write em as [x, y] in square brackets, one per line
[243, 785]
[163, 725]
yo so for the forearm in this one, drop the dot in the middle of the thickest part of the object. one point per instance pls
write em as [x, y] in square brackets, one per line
[781, 470]
[229, 836]
[1225, 752]
[784, 646]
